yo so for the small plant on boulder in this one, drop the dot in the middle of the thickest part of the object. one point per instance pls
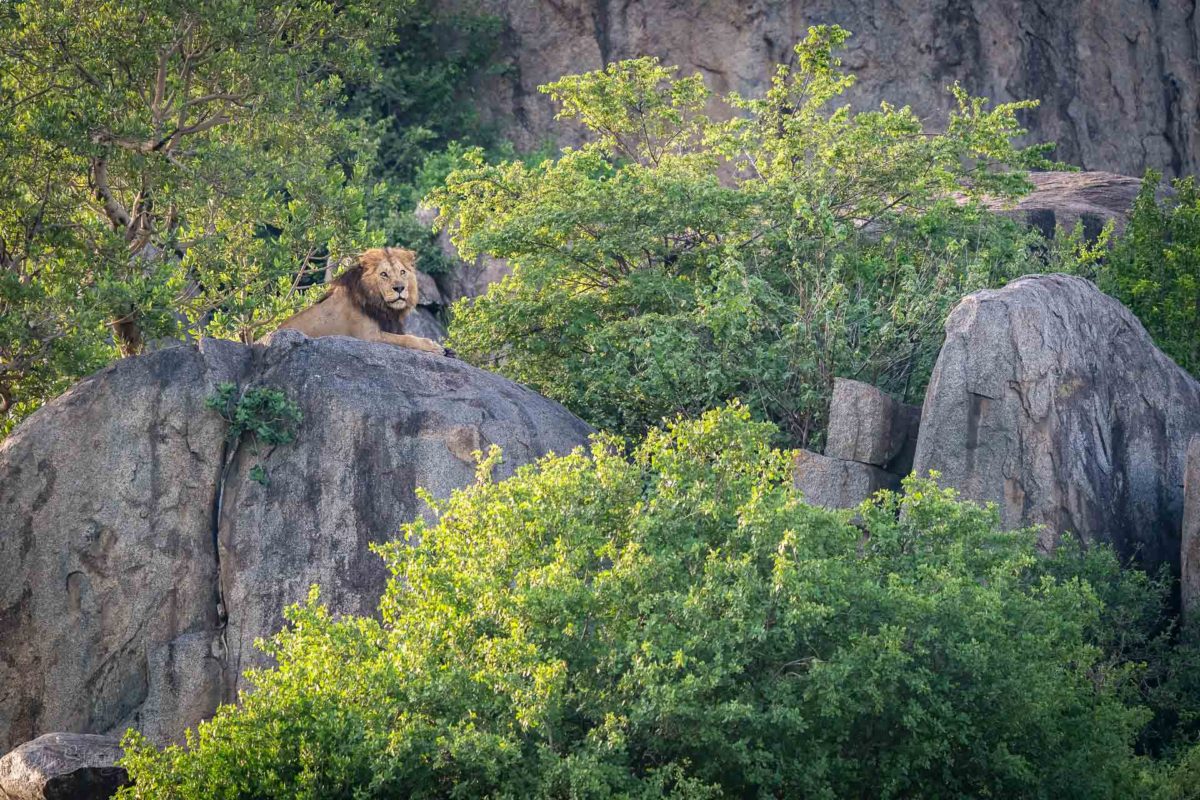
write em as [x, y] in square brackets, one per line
[266, 414]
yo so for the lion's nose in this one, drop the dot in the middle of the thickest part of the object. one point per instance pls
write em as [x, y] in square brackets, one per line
[402, 290]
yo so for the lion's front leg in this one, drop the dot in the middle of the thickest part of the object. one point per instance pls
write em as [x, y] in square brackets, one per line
[411, 342]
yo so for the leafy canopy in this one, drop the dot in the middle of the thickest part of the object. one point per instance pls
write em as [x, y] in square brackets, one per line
[171, 167]
[680, 624]
[1154, 268]
[676, 261]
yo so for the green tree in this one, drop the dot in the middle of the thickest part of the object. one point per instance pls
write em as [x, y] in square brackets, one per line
[171, 166]
[423, 101]
[675, 261]
[1154, 267]
[680, 624]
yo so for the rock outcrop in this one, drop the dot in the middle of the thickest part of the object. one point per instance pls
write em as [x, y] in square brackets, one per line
[868, 426]
[838, 483]
[135, 571]
[1066, 199]
[1118, 80]
[466, 278]
[869, 446]
[1050, 399]
[426, 319]
[63, 766]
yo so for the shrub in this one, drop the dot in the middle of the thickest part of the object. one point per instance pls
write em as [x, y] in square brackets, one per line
[1154, 268]
[679, 624]
[676, 261]
[265, 415]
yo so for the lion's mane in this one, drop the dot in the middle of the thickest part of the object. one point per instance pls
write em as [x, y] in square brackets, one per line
[369, 300]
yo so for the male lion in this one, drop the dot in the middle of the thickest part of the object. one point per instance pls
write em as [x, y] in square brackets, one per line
[369, 301]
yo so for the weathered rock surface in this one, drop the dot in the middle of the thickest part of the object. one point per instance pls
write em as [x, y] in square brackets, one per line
[467, 278]
[1065, 199]
[108, 602]
[63, 766]
[1050, 399]
[868, 426]
[126, 599]
[424, 322]
[1189, 550]
[1118, 80]
[836, 483]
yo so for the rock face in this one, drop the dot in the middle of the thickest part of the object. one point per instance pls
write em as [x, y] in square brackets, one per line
[1118, 80]
[1050, 399]
[108, 582]
[467, 278]
[837, 483]
[867, 426]
[133, 579]
[425, 320]
[1065, 199]
[870, 445]
[63, 766]
[1189, 549]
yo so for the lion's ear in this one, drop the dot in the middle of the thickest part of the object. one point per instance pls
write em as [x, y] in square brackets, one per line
[370, 259]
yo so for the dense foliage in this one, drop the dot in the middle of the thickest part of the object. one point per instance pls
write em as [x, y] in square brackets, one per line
[1154, 268]
[422, 101]
[680, 624]
[190, 167]
[676, 261]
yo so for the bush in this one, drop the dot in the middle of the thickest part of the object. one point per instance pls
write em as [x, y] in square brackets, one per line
[1154, 268]
[676, 261]
[680, 624]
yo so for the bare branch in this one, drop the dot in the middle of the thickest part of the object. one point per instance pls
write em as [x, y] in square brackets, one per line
[168, 144]
[113, 209]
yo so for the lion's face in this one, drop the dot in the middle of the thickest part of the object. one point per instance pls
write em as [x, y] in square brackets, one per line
[391, 273]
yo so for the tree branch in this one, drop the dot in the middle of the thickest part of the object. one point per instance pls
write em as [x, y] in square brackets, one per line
[113, 209]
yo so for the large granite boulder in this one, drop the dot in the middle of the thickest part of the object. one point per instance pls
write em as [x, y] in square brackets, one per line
[135, 570]
[108, 579]
[1050, 399]
[63, 766]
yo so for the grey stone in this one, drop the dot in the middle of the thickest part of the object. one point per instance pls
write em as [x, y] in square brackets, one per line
[63, 766]
[1066, 199]
[466, 279]
[1189, 550]
[381, 422]
[117, 606]
[428, 293]
[1118, 80]
[1049, 399]
[868, 426]
[835, 483]
[107, 555]
[423, 322]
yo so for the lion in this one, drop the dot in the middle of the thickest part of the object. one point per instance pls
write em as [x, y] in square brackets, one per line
[369, 301]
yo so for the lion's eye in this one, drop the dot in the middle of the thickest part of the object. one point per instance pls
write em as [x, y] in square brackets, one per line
[383, 274]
